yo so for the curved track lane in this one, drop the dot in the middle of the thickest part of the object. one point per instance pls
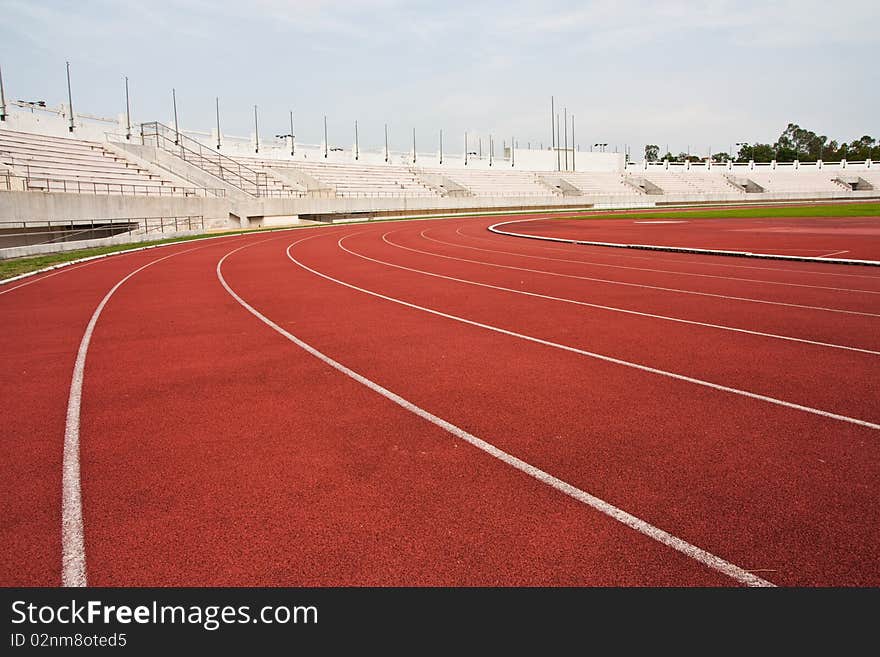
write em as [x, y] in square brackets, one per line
[214, 450]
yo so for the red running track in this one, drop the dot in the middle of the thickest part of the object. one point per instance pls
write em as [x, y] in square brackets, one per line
[856, 238]
[615, 418]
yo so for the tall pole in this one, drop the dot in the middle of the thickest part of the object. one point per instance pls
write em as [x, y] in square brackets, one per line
[2, 98]
[292, 136]
[326, 145]
[386, 142]
[558, 154]
[414, 145]
[491, 149]
[465, 148]
[480, 147]
[441, 145]
[512, 156]
[565, 132]
[127, 112]
[356, 147]
[69, 99]
[256, 132]
[573, 167]
[176, 125]
[218, 121]
[552, 125]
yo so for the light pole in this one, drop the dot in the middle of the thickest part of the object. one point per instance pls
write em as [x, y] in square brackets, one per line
[69, 98]
[218, 121]
[256, 132]
[127, 112]
[176, 125]
[2, 98]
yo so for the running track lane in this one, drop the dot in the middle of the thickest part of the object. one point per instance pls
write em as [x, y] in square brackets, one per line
[766, 482]
[855, 237]
[330, 329]
[786, 310]
[683, 261]
[223, 454]
[44, 317]
[776, 367]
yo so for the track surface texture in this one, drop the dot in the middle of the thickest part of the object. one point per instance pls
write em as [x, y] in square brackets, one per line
[856, 238]
[428, 403]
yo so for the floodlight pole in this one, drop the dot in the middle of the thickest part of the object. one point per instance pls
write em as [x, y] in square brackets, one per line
[217, 103]
[573, 167]
[491, 149]
[356, 147]
[414, 145]
[386, 142]
[512, 156]
[69, 98]
[326, 144]
[552, 125]
[558, 154]
[256, 132]
[465, 148]
[565, 132]
[176, 124]
[2, 98]
[127, 112]
[441, 145]
[292, 136]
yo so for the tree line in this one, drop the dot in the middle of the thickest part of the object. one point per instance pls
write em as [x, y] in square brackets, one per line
[795, 143]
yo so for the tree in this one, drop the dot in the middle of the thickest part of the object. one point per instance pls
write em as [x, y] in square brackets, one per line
[652, 152]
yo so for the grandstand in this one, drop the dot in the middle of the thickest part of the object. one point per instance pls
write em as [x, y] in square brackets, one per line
[61, 164]
[166, 174]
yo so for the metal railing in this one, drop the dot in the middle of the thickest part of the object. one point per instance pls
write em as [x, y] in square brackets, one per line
[11, 182]
[228, 170]
[38, 233]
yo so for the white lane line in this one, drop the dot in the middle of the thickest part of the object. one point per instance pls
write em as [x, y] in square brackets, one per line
[648, 269]
[608, 253]
[591, 354]
[698, 554]
[494, 228]
[659, 222]
[600, 306]
[657, 287]
[73, 551]
[834, 253]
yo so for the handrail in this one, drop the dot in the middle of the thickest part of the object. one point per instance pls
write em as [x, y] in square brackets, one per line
[45, 184]
[231, 171]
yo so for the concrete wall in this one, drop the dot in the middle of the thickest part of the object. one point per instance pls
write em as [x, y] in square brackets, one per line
[43, 206]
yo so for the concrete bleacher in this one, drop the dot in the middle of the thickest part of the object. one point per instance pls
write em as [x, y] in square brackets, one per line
[497, 182]
[599, 183]
[793, 181]
[692, 182]
[61, 164]
[362, 180]
[275, 185]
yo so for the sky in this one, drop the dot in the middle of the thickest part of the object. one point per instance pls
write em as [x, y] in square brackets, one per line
[690, 75]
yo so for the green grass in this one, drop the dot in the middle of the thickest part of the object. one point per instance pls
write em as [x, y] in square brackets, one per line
[829, 210]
